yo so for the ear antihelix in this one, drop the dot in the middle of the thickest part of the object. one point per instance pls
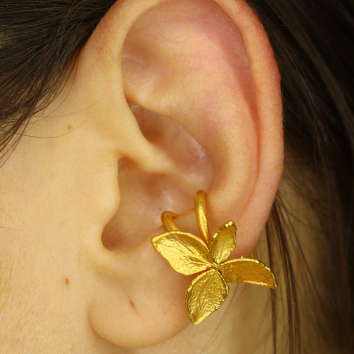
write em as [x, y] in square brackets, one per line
[208, 290]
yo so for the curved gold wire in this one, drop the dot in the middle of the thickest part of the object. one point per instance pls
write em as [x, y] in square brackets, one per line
[167, 217]
[200, 212]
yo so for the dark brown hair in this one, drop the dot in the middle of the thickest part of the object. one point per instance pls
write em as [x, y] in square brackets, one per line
[313, 44]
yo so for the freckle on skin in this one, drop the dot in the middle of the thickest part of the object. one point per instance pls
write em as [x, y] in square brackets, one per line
[67, 281]
[69, 126]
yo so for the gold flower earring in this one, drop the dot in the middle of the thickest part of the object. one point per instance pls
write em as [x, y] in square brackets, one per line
[188, 254]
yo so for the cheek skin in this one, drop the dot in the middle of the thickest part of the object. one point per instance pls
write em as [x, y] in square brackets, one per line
[51, 192]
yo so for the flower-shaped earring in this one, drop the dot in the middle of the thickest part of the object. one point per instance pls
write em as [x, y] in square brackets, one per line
[188, 254]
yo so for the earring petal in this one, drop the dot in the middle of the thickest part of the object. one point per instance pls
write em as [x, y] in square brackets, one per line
[205, 295]
[186, 253]
[223, 242]
[247, 270]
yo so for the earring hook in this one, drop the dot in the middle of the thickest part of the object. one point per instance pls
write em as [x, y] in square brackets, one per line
[167, 217]
[200, 212]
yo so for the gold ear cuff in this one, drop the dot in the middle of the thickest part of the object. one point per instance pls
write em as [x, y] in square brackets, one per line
[188, 254]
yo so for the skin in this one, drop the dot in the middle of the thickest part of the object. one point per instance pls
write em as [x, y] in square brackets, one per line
[83, 191]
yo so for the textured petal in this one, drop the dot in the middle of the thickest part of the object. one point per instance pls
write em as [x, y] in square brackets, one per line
[223, 242]
[246, 270]
[206, 294]
[186, 253]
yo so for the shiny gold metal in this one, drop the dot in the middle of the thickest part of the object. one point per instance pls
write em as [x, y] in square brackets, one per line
[200, 212]
[167, 219]
[187, 254]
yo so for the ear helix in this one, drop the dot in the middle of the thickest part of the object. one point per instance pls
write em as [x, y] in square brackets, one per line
[188, 254]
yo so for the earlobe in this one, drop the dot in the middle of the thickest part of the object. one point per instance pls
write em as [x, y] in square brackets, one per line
[202, 81]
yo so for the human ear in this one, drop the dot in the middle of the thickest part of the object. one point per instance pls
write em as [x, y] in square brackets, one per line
[201, 78]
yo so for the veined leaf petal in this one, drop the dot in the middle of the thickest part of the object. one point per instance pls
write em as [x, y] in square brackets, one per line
[246, 270]
[205, 295]
[223, 242]
[186, 253]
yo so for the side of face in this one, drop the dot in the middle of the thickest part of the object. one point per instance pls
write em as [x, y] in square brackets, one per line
[167, 97]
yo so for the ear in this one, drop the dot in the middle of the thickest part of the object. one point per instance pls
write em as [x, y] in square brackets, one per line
[205, 112]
